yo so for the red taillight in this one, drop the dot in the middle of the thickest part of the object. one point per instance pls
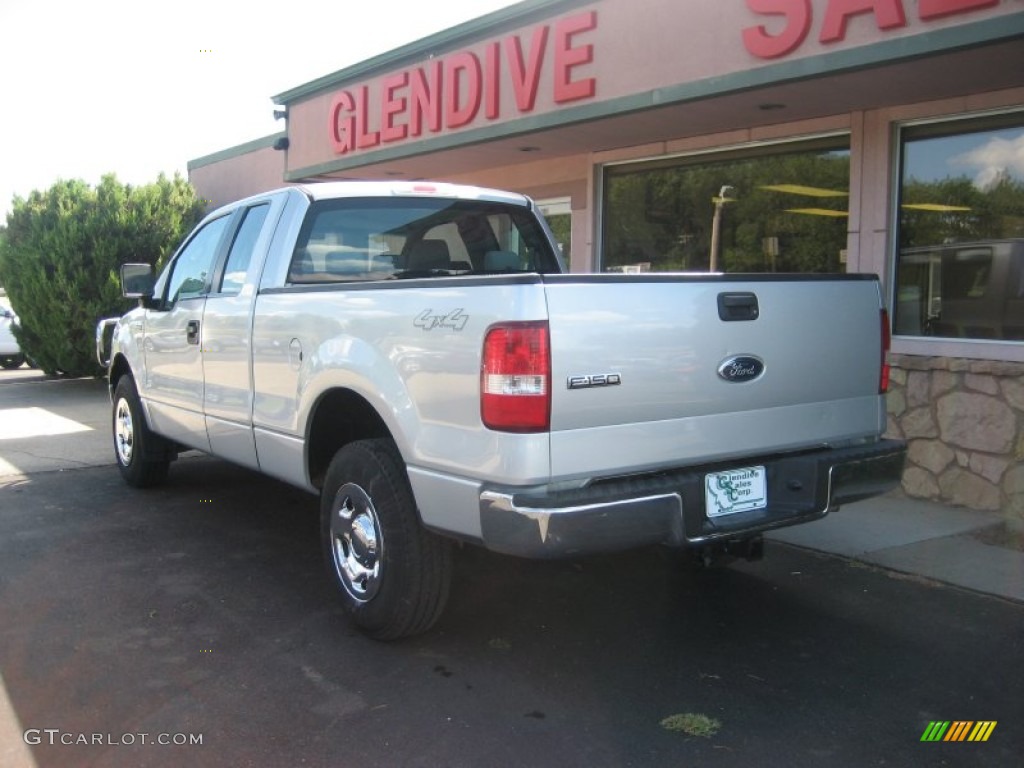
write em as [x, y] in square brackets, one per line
[883, 379]
[515, 378]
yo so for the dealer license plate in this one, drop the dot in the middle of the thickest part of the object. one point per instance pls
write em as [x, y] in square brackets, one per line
[735, 490]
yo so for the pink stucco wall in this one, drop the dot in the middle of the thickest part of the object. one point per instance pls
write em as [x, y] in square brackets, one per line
[233, 178]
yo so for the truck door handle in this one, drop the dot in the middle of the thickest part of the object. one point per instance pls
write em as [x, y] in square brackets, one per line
[192, 332]
[737, 306]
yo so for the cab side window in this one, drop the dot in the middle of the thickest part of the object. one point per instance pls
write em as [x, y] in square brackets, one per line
[194, 264]
[242, 248]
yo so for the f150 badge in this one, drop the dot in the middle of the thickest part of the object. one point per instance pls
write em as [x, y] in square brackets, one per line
[740, 368]
[586, 381]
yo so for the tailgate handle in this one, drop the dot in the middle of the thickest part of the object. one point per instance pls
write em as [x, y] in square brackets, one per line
[737, 306]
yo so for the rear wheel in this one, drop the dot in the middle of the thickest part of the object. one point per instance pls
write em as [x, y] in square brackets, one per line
[143, 457]
[393, 575]
[12, 362]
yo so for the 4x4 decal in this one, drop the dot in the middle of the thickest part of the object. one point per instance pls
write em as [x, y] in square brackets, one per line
[428, 320]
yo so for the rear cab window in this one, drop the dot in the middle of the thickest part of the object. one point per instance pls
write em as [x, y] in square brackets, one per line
[361, 239]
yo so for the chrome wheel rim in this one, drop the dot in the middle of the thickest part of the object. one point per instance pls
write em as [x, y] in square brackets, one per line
[357, 544]
[124, 432]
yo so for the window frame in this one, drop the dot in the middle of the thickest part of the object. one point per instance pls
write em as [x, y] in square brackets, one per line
[939, 125]
[240, 216]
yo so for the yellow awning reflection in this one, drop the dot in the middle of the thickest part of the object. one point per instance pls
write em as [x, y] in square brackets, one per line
[818, 212]
[803, 189]
[938, 207]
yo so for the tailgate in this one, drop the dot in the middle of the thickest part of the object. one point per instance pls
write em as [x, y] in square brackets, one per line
[636, 361]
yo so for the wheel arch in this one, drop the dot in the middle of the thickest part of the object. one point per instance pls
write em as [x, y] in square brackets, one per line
[339, 416]
[118, 367]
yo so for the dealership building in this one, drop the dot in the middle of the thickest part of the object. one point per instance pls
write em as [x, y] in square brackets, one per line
[880, 136]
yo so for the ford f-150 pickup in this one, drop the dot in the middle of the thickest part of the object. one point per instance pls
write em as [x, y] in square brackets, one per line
[415, 354]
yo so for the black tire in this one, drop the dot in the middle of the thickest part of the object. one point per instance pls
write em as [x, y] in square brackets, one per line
[12, 362]
[143, 457]
[393, 575]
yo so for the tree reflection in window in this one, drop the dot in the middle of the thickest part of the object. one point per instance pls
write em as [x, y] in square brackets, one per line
[193, 264]
[784, 210]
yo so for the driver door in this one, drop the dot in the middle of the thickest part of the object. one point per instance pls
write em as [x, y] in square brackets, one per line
[173, 386]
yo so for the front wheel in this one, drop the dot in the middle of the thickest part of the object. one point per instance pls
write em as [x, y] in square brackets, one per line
[12, 362]
[143, 457]
[393, 575]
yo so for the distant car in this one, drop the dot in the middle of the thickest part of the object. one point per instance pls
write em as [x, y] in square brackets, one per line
[11, 355]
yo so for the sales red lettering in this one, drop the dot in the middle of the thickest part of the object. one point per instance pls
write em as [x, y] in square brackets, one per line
[392, 105]
[568, 57]
[365, 138]
[462, 103]
[492, 76]
[934, 9]
[760, 42]
[888, 15]
[526, 76]
[457, 90]
[772, 40]
[343, 122]
[426, 99]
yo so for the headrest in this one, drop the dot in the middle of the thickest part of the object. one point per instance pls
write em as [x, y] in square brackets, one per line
[428, 254]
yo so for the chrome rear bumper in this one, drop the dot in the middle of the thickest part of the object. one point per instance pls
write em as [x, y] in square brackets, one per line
[668, 507]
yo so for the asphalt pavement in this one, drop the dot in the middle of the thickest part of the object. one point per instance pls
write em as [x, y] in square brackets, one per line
[55, 424]
[198, 614]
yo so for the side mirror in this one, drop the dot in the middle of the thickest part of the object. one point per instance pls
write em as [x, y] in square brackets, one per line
[137, 281]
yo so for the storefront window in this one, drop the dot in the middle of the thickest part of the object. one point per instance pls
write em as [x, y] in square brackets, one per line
[779, 210]
[960, 263]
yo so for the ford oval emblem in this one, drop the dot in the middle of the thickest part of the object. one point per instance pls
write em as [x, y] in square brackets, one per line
[741, 368]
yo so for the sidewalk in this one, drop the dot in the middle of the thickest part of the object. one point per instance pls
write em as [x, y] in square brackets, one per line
[49, 424]
[949, 544]
[56, 424]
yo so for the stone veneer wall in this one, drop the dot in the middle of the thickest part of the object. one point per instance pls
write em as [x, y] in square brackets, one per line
[963, 421]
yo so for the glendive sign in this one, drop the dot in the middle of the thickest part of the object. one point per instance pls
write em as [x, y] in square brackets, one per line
[798, 18]
[454, 90]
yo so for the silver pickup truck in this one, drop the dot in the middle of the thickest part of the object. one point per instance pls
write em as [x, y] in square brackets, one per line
[414, 354]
